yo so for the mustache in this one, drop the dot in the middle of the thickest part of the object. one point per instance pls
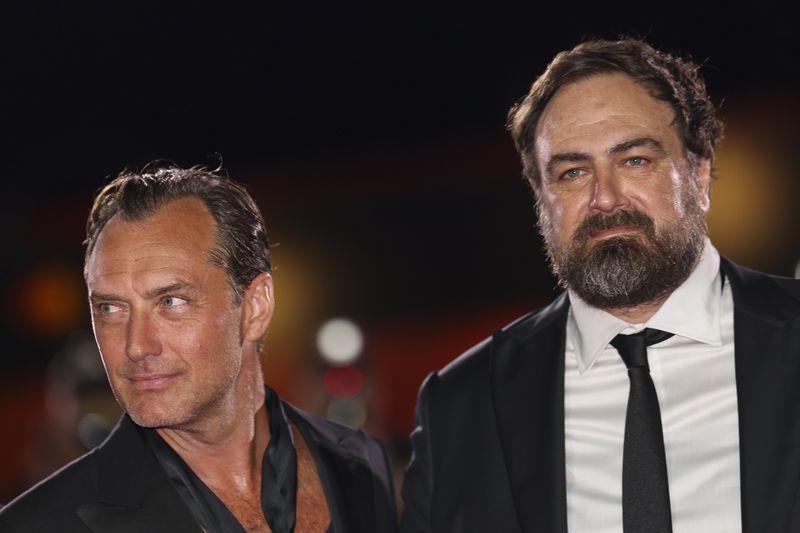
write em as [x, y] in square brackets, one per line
[603, 221]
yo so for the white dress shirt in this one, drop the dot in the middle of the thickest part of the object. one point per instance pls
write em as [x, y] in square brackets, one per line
[694, 377]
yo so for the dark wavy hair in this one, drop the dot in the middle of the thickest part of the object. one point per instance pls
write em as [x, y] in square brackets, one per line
[674, 80]
[242, 248]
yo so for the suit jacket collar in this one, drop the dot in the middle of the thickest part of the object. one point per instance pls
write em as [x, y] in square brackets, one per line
[760, 295]
[767, 346]
[133, 492]
[343, 461]
[527, 376]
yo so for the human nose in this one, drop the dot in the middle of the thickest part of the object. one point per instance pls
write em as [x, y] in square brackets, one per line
[607, 194]
[142, 338]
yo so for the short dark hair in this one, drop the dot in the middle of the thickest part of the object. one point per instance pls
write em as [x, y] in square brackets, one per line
[666, 77]
[242, 247]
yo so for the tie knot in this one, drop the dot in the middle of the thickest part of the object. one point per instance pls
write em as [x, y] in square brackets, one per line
[633, 348]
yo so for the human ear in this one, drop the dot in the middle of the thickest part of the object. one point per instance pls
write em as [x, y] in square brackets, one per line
[703, 177]
[258, 304]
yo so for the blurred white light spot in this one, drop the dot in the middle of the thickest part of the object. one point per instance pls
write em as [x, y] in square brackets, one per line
[350, 412]
[797, 270]
[339, 341]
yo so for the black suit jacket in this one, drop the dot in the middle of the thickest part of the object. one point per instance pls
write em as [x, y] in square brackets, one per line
[489, 443]
[120, 487]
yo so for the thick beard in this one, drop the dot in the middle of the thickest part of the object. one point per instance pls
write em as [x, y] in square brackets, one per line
[627, 270]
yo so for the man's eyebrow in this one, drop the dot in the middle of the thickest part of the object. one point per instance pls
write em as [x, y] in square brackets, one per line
[647, 142]
[157, 291]
[95, 296]
[565, 157]
[172, 287]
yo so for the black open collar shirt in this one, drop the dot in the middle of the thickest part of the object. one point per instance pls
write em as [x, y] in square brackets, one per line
[278, 495]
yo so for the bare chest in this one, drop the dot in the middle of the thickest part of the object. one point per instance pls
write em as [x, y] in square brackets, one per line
[312, 512]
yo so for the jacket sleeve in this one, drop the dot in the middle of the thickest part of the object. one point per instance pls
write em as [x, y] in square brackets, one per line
[418, 485]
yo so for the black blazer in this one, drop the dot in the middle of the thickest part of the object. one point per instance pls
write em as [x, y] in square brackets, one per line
[120, 487]
[488, 449]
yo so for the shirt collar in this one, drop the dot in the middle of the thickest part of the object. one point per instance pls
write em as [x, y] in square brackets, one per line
[691, 311]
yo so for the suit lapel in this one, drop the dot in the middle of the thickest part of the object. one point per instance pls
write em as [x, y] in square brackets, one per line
[528, 392]
[347, 479]
[160, 510]
[133, 493]
[767, 347]
[342, 463]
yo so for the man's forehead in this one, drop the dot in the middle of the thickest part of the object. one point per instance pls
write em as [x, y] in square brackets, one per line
[148, 265]
[604, 108]
[180, 220]
[181, 231]
[609, 91]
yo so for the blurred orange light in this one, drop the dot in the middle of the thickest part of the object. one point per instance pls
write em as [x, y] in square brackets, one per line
[49, 301]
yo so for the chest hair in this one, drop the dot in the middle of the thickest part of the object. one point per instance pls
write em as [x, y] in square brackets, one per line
[313, 514]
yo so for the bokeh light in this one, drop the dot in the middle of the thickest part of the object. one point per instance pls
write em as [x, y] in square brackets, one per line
[340, 341]
[343, 381]
[348, 411]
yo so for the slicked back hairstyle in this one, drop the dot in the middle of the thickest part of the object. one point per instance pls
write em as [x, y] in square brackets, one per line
[669, 78]
[242, 248]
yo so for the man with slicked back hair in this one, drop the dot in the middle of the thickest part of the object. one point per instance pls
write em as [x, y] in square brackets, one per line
[178, 272]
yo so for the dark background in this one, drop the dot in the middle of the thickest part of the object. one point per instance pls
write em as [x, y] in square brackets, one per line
[373, 139]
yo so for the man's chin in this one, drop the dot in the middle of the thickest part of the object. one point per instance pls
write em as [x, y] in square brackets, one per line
[626, 270]
[152, 413]
[618, 243]
[154, 420]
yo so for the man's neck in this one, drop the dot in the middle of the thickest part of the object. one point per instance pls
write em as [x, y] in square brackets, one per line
[227, 449]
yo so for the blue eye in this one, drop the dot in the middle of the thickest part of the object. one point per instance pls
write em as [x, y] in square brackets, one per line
[108, 309]
[173, 301]
[636, 161]
[572, 174]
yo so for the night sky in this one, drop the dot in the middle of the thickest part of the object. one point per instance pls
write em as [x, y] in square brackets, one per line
[93, 87]
[372, 137]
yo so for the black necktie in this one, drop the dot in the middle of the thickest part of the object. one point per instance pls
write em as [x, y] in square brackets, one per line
[645, 489]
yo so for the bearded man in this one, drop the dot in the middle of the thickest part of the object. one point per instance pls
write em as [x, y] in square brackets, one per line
[659, 392]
